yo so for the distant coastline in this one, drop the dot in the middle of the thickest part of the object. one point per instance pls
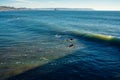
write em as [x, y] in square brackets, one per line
[7, 8]
[65, 9]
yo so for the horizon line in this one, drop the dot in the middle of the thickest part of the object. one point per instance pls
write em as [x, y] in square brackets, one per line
[63, 8]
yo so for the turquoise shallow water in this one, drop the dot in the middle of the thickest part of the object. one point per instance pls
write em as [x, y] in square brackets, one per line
[59, 45]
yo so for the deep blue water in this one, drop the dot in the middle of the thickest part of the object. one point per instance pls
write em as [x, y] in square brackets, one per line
[59, 45]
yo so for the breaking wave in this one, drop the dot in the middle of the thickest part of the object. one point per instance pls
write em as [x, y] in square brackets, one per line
[101, 38]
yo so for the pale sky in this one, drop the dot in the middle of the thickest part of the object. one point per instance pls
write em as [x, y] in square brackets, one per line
[95, 4]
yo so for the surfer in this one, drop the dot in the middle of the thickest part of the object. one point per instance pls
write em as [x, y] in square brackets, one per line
[71, 45]
[69, 40]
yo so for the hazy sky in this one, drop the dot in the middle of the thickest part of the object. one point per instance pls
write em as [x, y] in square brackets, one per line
[95, 4]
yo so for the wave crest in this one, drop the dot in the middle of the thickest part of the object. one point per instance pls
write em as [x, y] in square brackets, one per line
[97, 37]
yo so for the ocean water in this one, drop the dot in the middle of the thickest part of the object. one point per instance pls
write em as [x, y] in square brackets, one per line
[59, 45]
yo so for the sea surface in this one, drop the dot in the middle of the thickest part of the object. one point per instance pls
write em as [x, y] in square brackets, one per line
[59, 45]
